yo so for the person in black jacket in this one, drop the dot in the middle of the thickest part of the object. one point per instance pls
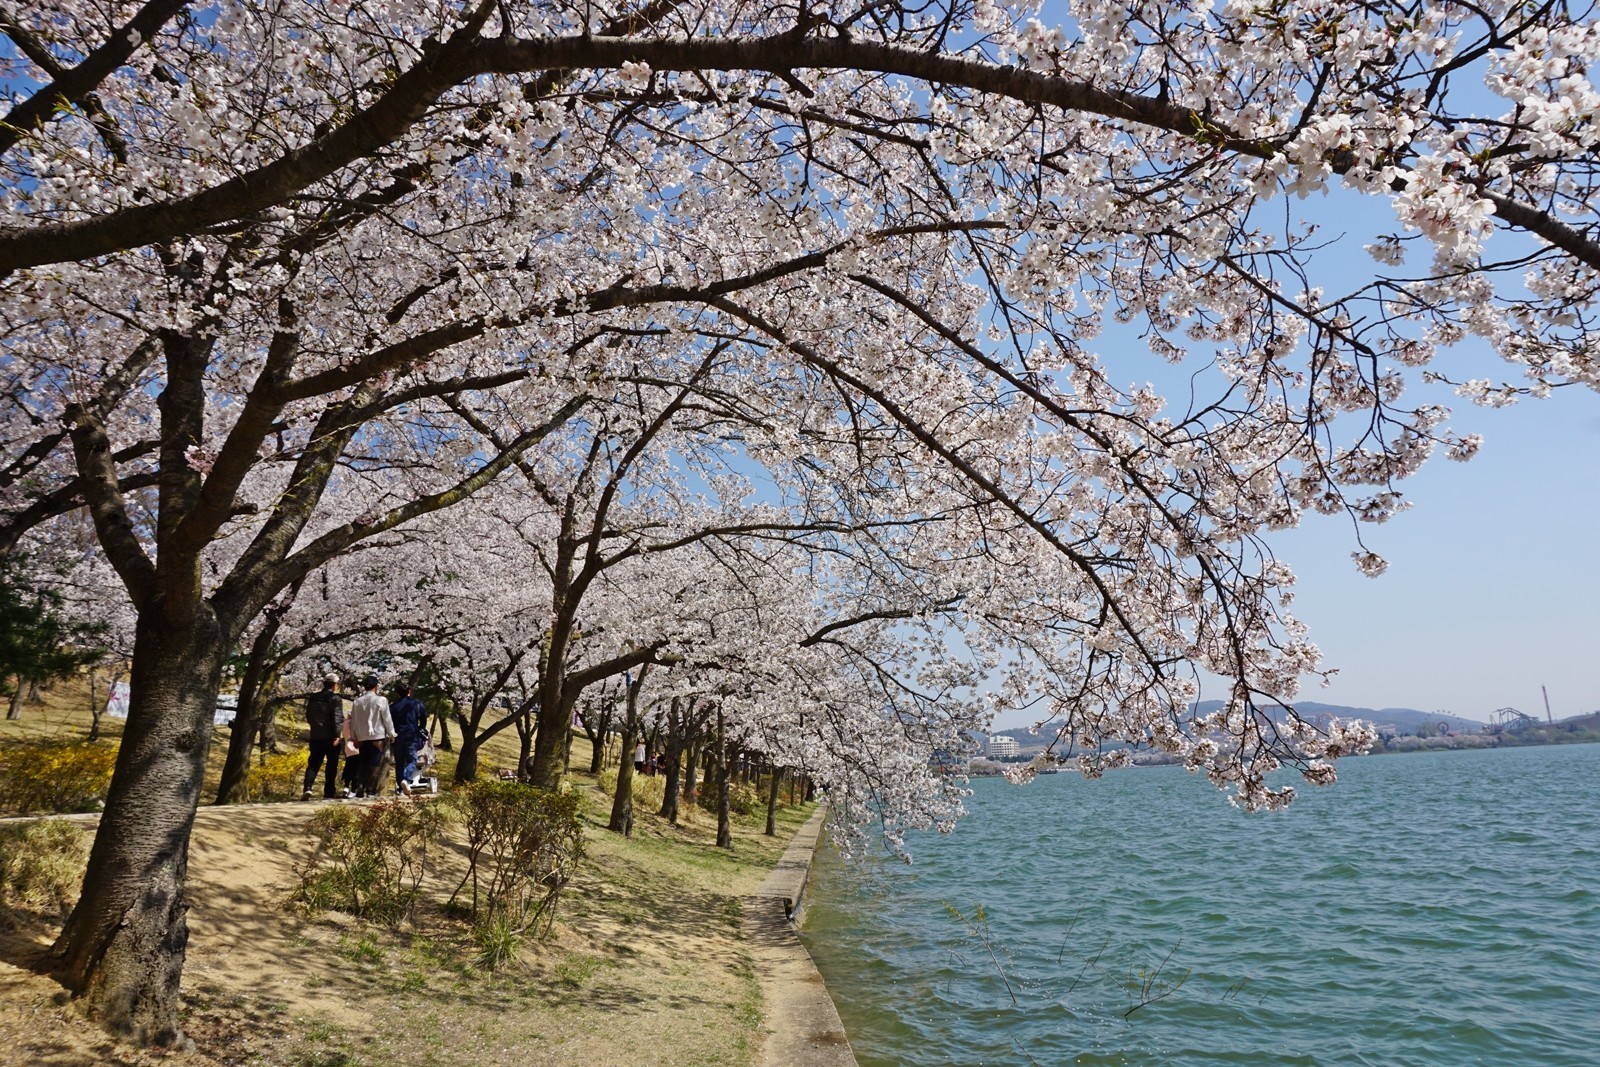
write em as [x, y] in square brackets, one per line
[325, 716]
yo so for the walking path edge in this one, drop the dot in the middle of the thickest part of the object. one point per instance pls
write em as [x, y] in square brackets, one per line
[802, 1024]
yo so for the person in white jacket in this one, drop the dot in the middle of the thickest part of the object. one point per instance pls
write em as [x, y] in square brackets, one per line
[372, 729]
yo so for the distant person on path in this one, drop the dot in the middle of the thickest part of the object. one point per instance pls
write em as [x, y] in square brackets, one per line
[372, 729]
[638, 757]
[410, 728]
[325, 717]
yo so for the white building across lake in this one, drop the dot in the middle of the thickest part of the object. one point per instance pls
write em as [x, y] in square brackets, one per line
[1002, 747]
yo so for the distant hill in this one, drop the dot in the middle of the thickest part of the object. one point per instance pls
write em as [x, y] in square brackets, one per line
[1407, 720]
[1404, 720]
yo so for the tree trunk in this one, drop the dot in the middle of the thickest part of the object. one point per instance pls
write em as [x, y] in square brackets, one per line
[566, 746]
[691, 771]
[724, 823]
[35, 694]
[525, 735]
[15, 710]
[467, 758]
[267, 724]
[674, 750]
[94, 706]
[547, 763]
[122, 949]
[444, 729]
[597, 738]
[241, 735]
[671, 790]
[772, 802]
[622, 803]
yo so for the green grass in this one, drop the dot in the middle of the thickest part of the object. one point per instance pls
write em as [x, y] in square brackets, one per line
[362, 949]
[576, 970]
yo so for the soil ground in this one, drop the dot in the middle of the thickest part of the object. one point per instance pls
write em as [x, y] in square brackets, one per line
[647, 963]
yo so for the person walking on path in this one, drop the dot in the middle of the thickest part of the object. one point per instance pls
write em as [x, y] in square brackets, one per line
[372, 728]
[325, 717]
[410, 727]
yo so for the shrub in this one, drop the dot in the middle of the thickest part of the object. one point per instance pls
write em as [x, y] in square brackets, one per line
[742, 799]
[277, 777]
[372, 859]
[55, 776]
[41, 864]
[648, 791]
[523, 846]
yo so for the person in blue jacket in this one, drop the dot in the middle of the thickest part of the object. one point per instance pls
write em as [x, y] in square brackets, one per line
[411, 729]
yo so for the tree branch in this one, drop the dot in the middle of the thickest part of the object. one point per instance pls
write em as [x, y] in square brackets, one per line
[97, 474]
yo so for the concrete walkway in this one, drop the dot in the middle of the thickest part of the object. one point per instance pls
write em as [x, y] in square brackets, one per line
[802, 1025]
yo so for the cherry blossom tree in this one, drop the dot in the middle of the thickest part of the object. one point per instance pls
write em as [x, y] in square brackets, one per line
[280, 279]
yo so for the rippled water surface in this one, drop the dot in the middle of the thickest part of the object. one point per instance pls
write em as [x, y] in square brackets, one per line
[1434, 910]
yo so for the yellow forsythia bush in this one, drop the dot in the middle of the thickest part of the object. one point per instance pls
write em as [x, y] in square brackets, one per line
[55, 776]
[278, 777]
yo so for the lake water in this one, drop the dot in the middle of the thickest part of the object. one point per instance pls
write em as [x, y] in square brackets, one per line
[1429, 910]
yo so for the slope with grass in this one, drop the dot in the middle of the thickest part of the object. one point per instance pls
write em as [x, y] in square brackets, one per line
[647, 962]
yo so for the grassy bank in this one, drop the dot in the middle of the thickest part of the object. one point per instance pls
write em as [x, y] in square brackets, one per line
[646, 963]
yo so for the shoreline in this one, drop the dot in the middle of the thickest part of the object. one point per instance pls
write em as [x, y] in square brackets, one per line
[801, 1022]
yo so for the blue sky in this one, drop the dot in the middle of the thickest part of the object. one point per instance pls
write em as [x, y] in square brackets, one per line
[1494, 579]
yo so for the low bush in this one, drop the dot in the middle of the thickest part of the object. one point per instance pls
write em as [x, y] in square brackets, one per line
[41, 865]
[55, 776]
[277, 777]
[372, 859]
[648, 790]
[742, 799]
[523, 846]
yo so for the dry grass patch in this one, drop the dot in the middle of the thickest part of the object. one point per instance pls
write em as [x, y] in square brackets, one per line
[646, 963]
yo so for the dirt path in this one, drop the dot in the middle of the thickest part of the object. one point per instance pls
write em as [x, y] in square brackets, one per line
[650, 964]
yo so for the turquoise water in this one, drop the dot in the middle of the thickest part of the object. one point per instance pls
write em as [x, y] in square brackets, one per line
[1433, 910]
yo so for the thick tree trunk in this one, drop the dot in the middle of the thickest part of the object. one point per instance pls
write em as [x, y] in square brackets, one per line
[622, 802]
[546, 770]
[772, 801]
[467, 758]
[35, 694]
[566, 746]
[15, 710]
[122, 949]
[673, 755]
[671, 790]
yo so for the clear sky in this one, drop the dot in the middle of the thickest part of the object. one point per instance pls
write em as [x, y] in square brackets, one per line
[1494, 581]
[1493, 587]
